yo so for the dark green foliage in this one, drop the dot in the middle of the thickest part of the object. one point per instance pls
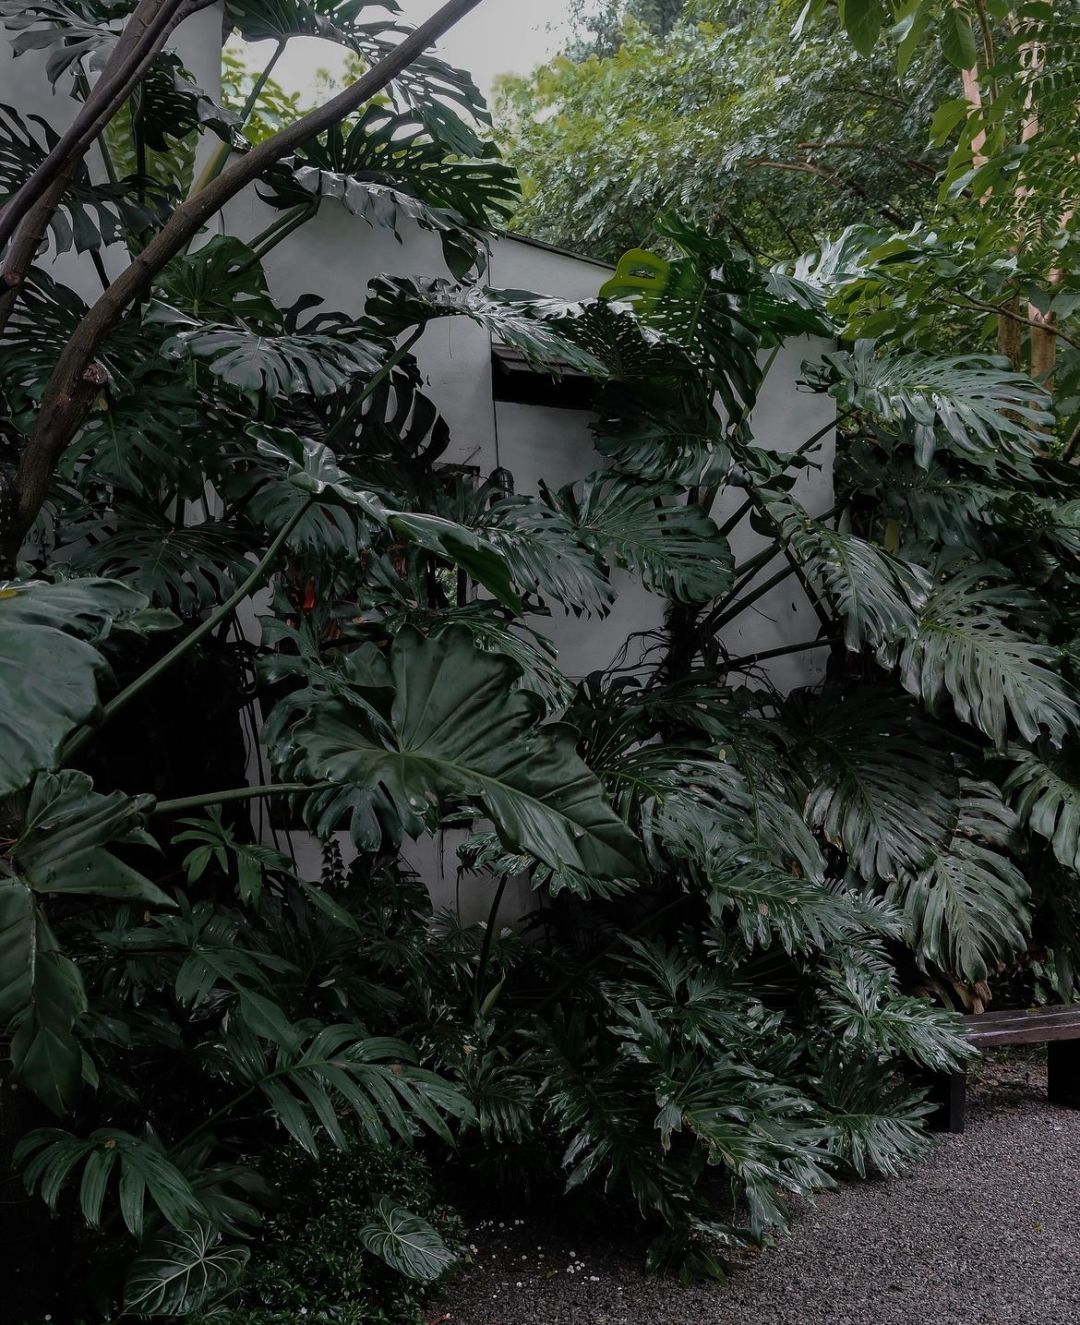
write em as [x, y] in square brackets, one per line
[711, 1008]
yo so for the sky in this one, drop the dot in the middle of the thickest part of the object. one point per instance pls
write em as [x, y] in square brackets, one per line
[499, 36]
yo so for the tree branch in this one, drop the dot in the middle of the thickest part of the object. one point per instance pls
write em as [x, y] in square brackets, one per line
[75, 380]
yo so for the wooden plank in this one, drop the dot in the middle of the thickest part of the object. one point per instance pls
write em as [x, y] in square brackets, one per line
[1039, 1033]
[1010, 1016]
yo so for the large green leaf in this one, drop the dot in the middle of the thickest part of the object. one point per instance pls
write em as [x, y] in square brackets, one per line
[458, 729]
[49, 1157]
[386, 168]
[61, 847]
[406, 1242]
[878, 596]
[287, 364]
[968, 404]
[675, 549]
[883, 786]
[182, 1271]
[965, 648]
[42, 995]
[1044, 790]
[698, 302]
[512, 316]
[312, 472]
[543, 550]
[48, 677]
[969, 906]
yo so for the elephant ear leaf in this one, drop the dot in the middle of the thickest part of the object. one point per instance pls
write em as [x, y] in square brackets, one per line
[459, 730]
[406, 1242]
[182, 1271]
[49, 665]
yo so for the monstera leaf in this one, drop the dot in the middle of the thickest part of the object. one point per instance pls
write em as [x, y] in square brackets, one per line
[289, 364]
[883, 787]
[406, 1242]
[965, 648]
[878, 596]
[1044, 790]
[676, 550]
[542, 549]
[91, 216]
[969, 907]
[49, 667]
[513, 317]
[312, 472]
[968, 404]
[700, 302]
[457, 729]
[387, 168]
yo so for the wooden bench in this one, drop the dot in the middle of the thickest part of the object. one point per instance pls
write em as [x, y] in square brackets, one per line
[1057, 1028]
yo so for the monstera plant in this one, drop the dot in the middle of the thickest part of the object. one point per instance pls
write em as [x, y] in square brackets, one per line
[745, 901]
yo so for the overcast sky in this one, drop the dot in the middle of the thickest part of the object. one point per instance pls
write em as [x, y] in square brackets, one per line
[499, 36]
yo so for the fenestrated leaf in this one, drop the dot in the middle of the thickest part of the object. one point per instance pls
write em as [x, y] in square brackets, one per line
[969, 906]
[878, 596]
[883, 787]
[800, 913]
[969, 404]
[287, 364]
[1044, 790]
[459, 729]
[964, 648]
[182, 1271]
[387, 168]
[665, 450]
[406, 1242]
[700, 303]
[542, 549]
[675, 549]
[513, 317]
[48, 678]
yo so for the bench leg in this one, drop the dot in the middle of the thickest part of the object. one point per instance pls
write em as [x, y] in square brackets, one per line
[1063, 1073]
[948, 1092]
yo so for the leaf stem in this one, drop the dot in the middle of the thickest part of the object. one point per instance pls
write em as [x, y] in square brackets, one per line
[238, 794]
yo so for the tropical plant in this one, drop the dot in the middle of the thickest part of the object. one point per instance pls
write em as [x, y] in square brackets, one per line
[738, 892]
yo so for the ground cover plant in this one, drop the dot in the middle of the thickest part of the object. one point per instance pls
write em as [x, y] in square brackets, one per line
[754, 911]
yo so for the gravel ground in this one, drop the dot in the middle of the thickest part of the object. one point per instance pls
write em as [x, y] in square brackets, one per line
[985, 1232]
